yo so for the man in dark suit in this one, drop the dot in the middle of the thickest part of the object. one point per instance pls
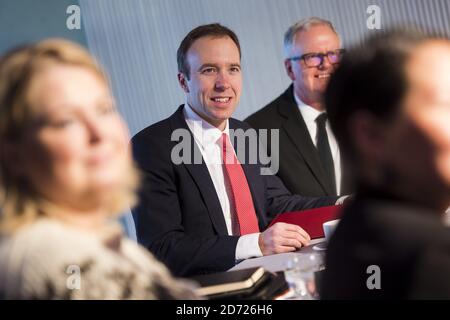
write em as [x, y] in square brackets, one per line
[309, 157]
[388, 104]
[202, 206]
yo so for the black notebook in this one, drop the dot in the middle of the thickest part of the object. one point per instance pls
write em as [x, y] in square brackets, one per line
[218, 283]
[253, 283]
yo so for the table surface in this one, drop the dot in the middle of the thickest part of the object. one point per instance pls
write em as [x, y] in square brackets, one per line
[277, 262]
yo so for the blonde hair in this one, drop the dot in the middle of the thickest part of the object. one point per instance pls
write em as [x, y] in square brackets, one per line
[19, 204]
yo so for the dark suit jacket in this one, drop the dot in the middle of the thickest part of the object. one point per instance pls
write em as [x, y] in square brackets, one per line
[179, 217]
[300, 166]
[408, 243]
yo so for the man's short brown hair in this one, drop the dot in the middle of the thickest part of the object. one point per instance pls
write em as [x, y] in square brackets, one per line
[214, 30]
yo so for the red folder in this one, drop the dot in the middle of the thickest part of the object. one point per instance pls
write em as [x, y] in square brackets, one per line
[310, 220]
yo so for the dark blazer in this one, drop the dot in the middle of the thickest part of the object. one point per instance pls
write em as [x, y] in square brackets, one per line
[300, 166]
[410, 245]
[179, 217]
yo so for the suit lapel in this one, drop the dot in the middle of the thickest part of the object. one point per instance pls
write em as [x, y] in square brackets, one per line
[202, 178]
[295, 128]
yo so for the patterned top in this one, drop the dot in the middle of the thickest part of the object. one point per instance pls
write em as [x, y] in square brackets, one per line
[51, 259]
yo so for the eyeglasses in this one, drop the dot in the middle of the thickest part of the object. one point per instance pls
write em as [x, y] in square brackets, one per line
[315, 59]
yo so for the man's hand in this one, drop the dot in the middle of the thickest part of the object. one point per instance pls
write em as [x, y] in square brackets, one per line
[282, 237]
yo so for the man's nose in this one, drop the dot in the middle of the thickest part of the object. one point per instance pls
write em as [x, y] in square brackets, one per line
[325, 63]
[222, 81]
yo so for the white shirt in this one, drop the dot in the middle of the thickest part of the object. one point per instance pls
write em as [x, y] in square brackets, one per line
[206, 137]
[310, 115]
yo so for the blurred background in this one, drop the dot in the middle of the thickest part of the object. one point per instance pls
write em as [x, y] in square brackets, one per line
[136, 41]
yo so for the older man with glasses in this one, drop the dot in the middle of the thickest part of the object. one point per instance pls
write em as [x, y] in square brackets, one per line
[309, 157]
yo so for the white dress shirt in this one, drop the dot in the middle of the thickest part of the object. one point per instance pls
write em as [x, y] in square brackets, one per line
[310, 115]
[206, 137]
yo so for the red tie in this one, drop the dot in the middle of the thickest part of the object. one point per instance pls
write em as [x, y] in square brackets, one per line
[242, 198]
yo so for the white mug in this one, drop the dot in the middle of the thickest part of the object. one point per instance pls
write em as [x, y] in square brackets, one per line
[328, 228]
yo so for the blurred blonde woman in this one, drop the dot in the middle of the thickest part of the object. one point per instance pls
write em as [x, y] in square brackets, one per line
[65, 173]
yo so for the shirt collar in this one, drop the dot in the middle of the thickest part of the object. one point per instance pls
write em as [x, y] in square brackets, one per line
[309, 113]
[205, 134]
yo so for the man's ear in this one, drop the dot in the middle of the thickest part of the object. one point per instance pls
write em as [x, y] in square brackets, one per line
[183, 81]
[288, 67]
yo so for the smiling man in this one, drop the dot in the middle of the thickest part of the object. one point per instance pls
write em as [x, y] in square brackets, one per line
[309, 157]
[211, 79]
[201, 217]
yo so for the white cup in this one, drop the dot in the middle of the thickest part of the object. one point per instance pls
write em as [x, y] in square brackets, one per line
[329, 227]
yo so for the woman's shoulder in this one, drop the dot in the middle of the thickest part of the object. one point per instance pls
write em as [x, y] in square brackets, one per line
[47, 236]
[43, 259]
[52, 260]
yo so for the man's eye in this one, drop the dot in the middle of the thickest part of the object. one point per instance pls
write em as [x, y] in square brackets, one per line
[208, 70]
[235, 69]
[314, 56]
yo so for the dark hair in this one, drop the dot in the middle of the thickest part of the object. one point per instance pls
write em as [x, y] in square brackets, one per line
[215, 30]
[371, 77]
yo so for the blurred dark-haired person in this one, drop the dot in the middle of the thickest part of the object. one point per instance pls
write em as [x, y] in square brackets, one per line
[309, 156]
[65, 172]
[389, 106]
[203, 215]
